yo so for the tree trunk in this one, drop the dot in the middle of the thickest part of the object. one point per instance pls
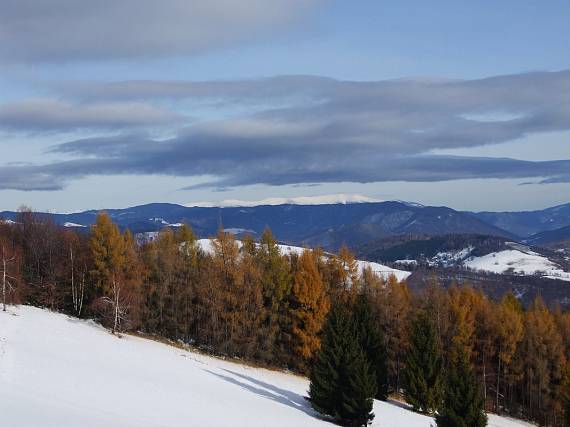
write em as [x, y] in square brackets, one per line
[498, 383]
[484, 380]
[4, 283]
[115, 306]
[73, 289]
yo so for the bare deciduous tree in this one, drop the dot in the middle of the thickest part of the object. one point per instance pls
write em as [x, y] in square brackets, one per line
[7, 258]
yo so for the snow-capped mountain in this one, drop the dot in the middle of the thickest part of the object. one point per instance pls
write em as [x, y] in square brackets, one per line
[327, 199]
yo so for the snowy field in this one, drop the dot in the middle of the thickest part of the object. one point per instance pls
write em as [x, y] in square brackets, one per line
[381, 270]
[57, 371]
[519, 262]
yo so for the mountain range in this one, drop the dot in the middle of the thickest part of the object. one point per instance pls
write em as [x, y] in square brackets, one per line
[526, 224]
[331, 225]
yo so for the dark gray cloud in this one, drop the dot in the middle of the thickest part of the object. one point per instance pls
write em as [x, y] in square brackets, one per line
[399, 116]
[64, 30]
[305, 130]
[53, 115]
[260, 164]
[487, 94]
[28, 178]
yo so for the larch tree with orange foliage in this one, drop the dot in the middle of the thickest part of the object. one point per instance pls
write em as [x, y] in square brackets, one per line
[544, 363]
[113, 260]
[394, 316]
[508, 334]
[309, 307]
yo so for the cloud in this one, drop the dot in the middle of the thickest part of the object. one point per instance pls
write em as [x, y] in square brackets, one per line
[67, 30]
[52, 115]
[262, 164]
[397, 116]
[307, 130]
[28, 178]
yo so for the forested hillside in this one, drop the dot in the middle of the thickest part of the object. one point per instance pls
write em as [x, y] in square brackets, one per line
[253, 302]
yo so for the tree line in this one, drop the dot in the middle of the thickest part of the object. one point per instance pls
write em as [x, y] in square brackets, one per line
[248, 300]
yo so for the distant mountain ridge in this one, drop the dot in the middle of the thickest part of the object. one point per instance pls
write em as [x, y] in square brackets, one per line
[550, 237]
[527, 223]
[327, 225]
[330, 225]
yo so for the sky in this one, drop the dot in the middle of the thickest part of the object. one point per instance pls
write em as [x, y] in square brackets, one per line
[117, 103]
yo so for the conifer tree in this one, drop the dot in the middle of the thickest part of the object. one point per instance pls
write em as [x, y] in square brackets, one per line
[310, 306]
[342, 384]
[544, 362]
[249, 295]
[393, 315]
[424, 366]
[358, 387]
[463, 403]
[276, 283]
[508, 333]
[226, 259]
[372, 343]
[326, 370]
[109, 256]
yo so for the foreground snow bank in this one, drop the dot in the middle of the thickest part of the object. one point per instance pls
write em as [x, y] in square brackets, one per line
[60, 371]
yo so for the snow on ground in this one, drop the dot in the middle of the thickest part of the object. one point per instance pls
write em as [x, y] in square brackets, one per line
[208, 246]
[524, 262]
[57, 371]
[408, 262]
[166, 223]
[73, 224]
[447, 259]
[381, 270]
[236, 231]
[290, 250]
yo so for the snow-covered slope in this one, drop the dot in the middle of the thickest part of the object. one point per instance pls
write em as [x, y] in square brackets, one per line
[523, 262]
[73, 225]
[381, 270]
[57, 371]
[161, 221]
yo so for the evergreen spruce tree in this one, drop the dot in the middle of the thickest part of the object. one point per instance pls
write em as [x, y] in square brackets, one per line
[358, 388]
[463, 403]
[342, 384]
[372, 343]
[326, 369]
[424, 372]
